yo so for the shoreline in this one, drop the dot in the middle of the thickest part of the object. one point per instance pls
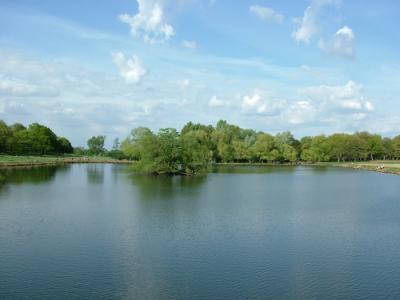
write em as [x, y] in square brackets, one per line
[9, 162]
[372, 167]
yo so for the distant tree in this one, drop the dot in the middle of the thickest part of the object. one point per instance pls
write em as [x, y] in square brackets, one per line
[285, 137]
[315, 149]
[195, 153]
[96, 145]
[132, 146]
[289, 153]
[80, 151]
[396, 147]
[223, 137]
[5, 137]
[169, 158]
[36, 139]
[374, 146]
[241, 152]
[263, 146]
[16, 127]
[198, 145]
[116, 144]
[340, 147]
[388, 148]
[64, 146]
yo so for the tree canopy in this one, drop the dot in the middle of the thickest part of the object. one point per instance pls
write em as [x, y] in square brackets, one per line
[197, 145]
[36, 139]
[96, 145]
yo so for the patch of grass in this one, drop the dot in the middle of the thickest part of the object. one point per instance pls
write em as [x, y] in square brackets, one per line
[382, 166]
[16, 161]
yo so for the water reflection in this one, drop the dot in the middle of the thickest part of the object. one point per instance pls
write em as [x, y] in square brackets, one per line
[292, 233]
[247, 169]
[30, 175]
[166, 187]
[34, 175]
[95, 173]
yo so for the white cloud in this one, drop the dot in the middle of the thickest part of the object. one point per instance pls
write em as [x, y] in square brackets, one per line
[385, 125]
[149, 23]
[184, 83]
[342, 43]
[12, 107]
[189, 44]
[300, 112]
[257, 104]
[254, 103]
[130, 69]
[369, 106]
[308, 26]
[215, 102]
[266, 14]
[348, 98]
[14, 87]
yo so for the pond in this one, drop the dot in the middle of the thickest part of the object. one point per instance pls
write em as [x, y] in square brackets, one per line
[95, 231]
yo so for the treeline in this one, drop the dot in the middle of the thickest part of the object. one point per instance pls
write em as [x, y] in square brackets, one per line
[35, 139]
[197, 145]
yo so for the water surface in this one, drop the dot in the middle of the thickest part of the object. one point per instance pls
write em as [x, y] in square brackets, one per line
[102, 232]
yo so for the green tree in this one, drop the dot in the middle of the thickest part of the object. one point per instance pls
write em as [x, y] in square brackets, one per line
[340, 146]
[195, 153]
[5, 137]
[116, 144]
[131, 147]
[79, 151]
[36, 139]
[96, 145]
[16, 127]
[315, 149]
[396, 147]
[388, 148]
[374, 146]
[241, 152]
[289, 153]
[64, 145]
[263, 146]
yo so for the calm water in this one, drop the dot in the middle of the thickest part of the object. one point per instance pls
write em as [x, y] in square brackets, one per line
[101, 232]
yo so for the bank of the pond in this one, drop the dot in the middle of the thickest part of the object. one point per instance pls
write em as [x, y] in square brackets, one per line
[9, 161]
[389, 167]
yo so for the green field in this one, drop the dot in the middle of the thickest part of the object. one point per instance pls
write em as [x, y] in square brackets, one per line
[20, 161]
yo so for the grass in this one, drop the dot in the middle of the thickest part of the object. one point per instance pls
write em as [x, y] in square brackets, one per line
[382, 166]
[7, 161]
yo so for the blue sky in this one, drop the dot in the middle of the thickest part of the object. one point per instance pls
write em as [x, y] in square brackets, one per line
[104, 67]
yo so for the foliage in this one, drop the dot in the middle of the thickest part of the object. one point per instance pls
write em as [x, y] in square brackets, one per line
[96, 145]
[34, 140]
[198, 145]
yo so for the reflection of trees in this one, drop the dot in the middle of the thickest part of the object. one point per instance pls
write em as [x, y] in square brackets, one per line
[166, 187]
[95, 173]
[32, 175]
[2, 179]
[249, 169]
